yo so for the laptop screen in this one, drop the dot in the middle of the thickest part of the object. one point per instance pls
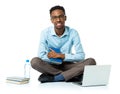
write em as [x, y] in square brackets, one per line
[96, 75]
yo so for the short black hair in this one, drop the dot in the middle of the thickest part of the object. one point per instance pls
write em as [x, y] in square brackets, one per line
[57, 7]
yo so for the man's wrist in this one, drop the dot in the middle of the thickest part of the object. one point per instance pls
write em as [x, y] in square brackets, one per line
[62, 56]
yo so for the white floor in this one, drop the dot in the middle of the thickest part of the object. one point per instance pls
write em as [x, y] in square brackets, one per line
[21, 21]
[35, 87]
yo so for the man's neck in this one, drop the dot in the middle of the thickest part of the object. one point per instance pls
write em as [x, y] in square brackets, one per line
[60, 32]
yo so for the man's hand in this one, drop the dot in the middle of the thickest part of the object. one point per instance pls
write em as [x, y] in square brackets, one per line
[53, 54]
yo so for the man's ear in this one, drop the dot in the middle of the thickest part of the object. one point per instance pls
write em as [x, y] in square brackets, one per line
[51, 20]
[65, 18]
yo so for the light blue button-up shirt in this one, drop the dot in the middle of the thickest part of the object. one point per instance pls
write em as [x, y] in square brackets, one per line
[69, 39]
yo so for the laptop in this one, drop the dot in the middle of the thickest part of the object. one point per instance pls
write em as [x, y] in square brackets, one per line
[95, 75]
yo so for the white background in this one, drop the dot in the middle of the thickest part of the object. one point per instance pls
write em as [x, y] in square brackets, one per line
[21, 22]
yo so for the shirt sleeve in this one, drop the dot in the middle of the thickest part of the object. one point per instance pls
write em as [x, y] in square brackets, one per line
[79, 53]
[43, 49]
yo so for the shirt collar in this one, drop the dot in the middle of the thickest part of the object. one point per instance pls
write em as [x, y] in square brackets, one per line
[64, 34]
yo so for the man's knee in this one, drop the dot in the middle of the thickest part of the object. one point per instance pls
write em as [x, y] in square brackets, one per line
[34, 61]
[92, 61]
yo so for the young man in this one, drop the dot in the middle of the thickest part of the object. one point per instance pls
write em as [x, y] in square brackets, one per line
[63, 38]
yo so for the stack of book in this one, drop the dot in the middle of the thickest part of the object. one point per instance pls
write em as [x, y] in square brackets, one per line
[17, 80]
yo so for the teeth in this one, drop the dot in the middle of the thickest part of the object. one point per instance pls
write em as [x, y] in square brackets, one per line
[58, 23]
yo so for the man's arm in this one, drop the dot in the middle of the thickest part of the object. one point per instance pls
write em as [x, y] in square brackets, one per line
[53, 54]
[43, 48]
[79, 53]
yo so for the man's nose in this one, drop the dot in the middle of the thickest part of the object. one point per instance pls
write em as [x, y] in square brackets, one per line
[58, 19]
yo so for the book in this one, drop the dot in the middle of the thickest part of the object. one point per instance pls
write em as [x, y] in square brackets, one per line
[17, 80]
[56, 60]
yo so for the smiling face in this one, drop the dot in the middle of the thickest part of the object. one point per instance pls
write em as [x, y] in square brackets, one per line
[58, 18]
